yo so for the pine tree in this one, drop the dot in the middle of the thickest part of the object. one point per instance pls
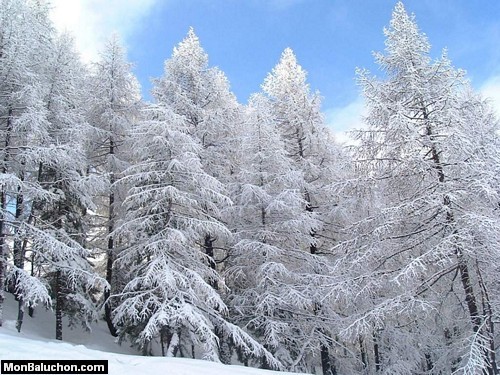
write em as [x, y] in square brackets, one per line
[44, 189]
[307, 141]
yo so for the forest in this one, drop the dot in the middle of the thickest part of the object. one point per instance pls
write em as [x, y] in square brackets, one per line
[197, 226]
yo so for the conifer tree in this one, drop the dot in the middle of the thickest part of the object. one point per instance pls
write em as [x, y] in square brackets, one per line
[321, 162]
[43, 170]
[25, 44]
[62, 172]
[270, 259]
[113, 107]
[201, 95]
[420, 259]
[172, 203]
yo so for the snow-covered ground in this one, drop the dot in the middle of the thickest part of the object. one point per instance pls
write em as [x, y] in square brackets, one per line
[35, 342]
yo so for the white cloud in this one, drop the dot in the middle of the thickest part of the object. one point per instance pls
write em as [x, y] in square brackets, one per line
[93, 21]
[343, 119]
[491, 90]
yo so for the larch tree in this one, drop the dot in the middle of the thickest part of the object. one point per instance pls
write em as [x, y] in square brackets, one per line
[322, 163]
[172, 203]
[25, 42]
[57, 234]
[114, 101]
[201, 95]
[270, 260]
[307, 141]
[44, 187]
[422, 260]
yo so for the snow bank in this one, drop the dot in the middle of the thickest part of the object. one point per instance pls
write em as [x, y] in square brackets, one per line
[15, 347]
[34, 343]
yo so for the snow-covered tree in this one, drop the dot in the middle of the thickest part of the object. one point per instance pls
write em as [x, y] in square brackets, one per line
[201, 95]
[44, 188]
[171, 205]
[25, 41]
[62, 172]
[270, 258]
[114, 102]
[422, 260]
[310, 145]
[314, 153]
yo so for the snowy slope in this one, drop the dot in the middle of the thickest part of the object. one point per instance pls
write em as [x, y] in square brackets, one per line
[15, 347]
[35, 343]
[42, 327]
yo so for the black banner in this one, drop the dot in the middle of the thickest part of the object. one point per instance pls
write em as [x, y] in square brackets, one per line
[54, 367]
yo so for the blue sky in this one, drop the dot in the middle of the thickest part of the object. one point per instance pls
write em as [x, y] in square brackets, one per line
[330, 38]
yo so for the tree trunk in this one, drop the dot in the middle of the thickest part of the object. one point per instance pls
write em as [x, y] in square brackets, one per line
[165, 339]
[3, 253]
[162, 341]
[18, 243]
[107, 293]
[363, 353]
[19, 260]
[146, 349]
[309, 208]
[111, 248]
[24, 244]
[477, 322]
[31, 310]
[490, 325]
[209, 251]
[470, 297]
[3, 209]
[59, 305]
[20, 314]
[109, 277]
[376, 354]
[178, 346]
[326, 363]
[225, 349]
